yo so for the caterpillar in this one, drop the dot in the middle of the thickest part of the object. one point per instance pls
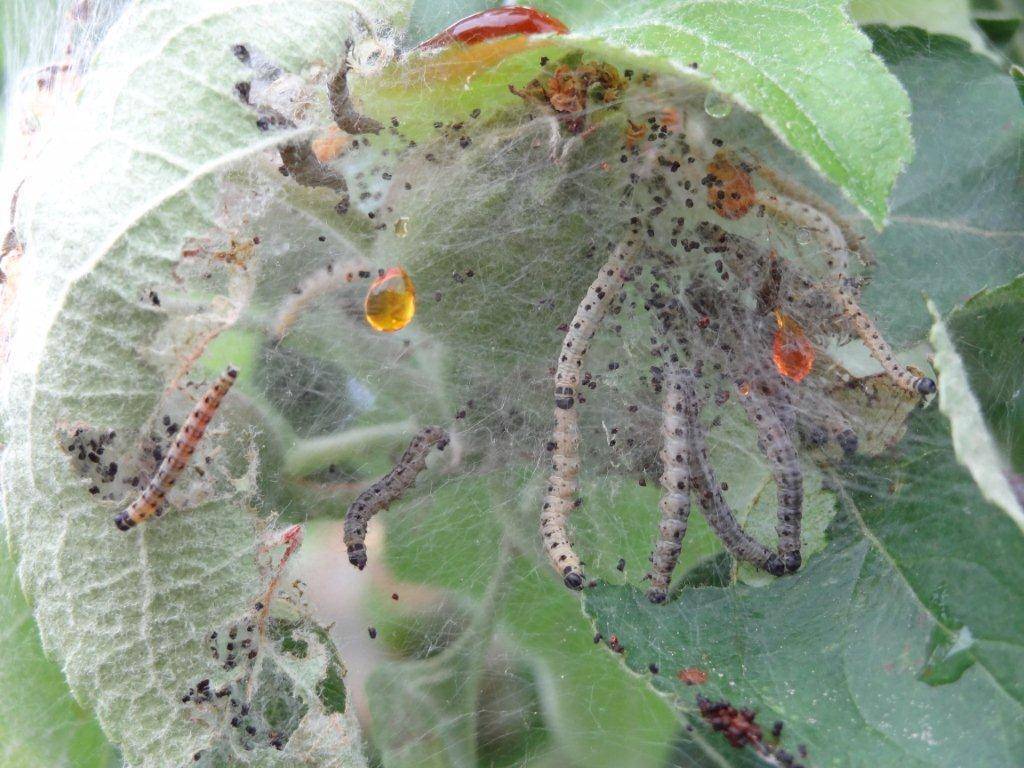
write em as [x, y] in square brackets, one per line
[387, 490]
[828, 233]
[709, 493]
[563, 484]
[321, 282]
[784, 465]
[178, 457]
[676, 480]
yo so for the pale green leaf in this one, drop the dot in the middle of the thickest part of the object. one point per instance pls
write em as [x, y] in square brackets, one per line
[973, 443]
[40, 724]
[136, 170]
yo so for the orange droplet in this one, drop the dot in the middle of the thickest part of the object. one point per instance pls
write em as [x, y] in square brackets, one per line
[494, 23]
[792, 351]
[744, 388]
[391, 301]
[731, 193]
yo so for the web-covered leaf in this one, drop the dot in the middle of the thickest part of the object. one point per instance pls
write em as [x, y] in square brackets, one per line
[899, 642]
[804, 68]
[208, 208]
[886, 645]
[99, 370]
[955, 214]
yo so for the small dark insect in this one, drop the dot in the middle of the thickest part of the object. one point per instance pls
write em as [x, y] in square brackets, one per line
[737, 725]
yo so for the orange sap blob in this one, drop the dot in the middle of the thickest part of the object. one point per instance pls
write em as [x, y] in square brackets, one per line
[390, 301]
[792, 351]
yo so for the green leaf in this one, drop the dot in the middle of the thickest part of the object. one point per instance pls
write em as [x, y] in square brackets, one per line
[972, 441]
[900, 644]
[986, 333]
[136, 173]
[40, 724]
[941, 17]
[955, 223]
[802, 67]
[980, 344]
[459, 527]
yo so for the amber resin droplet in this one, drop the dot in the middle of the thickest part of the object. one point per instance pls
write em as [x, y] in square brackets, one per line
[391, 301]
[792, 351]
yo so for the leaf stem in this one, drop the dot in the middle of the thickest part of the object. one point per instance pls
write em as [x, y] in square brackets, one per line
[308, 456]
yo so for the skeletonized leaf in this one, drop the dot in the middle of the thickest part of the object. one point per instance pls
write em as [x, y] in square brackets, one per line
[138, 170]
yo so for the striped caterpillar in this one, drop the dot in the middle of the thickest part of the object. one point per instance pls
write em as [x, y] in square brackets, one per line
[709, 492]
[388, 490]
[178, 457]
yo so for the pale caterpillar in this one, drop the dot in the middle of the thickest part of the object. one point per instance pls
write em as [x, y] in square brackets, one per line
[563, 484]
[828, 233]
[332, 277]
[676, 480]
